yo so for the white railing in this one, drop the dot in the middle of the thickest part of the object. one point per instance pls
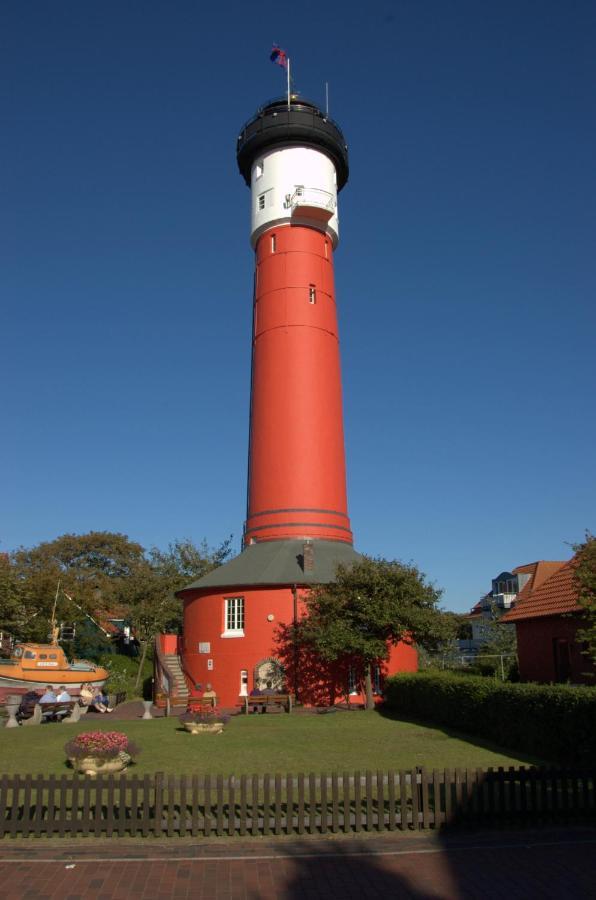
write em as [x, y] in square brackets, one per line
[305, 196]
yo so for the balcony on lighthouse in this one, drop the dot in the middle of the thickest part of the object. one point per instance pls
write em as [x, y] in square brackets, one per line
[312, 202]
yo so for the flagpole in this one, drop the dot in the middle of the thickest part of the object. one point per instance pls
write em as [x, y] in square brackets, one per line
[327, 99]
[288, 71]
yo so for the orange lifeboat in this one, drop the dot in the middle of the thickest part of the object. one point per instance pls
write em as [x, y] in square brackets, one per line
[33, 666]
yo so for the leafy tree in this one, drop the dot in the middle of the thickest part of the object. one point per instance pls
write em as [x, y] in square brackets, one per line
[101, 571]
[91, 643]
[184, 561]
[585, 580]
[12, 596]
[370, 606]
[89, 567]
[149, 590]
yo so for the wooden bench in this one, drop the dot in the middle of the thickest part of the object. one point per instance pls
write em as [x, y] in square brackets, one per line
[66, 711]
[201, 704]
[267, 703]
[51, 712]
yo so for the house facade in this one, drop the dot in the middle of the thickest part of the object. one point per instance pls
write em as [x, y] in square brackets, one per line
[507, 589]
[547, 618]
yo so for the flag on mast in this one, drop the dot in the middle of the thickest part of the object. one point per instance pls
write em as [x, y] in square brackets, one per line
[279, 57]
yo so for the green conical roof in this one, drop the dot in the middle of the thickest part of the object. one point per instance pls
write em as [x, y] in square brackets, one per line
[279, 563]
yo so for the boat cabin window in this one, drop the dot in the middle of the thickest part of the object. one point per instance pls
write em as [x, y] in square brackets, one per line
[29, 654]
[18, 652]
[52, 656]
[43, 655]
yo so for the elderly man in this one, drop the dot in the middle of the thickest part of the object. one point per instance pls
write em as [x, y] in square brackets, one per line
[48, 696]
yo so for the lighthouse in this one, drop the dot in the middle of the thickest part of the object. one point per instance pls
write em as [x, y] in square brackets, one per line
[238, 619]
[295, 161]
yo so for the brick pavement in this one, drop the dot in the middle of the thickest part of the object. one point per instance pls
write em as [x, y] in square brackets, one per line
[550, 865]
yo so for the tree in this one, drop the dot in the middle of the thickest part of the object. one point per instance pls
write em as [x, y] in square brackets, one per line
[184, 561]
[149, 591]
[370, 606]
[585, 581]
[102, 572]
[12, 596]
[90, 568]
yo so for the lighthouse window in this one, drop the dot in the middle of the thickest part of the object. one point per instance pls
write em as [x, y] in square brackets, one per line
[234, 616]
[312, 294]
[259, 169]
[261, 201]
[273, 243]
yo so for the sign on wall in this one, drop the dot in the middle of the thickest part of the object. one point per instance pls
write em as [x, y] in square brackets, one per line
[205, 647]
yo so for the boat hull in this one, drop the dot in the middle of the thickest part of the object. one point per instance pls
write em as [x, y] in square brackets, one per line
[19, 683]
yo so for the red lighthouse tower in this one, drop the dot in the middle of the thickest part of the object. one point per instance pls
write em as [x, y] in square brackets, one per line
[295, 161]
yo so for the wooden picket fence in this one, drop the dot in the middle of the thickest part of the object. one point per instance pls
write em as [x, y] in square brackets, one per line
[293, 804]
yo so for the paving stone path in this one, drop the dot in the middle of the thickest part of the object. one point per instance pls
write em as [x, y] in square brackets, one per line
[550, 865]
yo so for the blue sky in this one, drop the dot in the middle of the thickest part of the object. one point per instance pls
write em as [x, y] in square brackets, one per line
[465, 275]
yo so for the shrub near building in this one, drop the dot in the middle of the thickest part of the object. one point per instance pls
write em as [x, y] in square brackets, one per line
[554, 722]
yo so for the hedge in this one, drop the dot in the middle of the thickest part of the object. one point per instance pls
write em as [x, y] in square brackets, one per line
[554, 722]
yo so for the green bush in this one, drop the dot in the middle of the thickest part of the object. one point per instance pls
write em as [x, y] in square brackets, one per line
[554, 722]
[123, 674]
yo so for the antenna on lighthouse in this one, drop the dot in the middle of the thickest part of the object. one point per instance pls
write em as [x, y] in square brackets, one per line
[326, 99]
[288, 73]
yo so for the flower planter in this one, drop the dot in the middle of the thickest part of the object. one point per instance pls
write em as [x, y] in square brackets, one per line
[202, 728]
[95, 765]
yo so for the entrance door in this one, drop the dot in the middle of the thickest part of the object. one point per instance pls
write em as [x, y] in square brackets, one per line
[244, 683]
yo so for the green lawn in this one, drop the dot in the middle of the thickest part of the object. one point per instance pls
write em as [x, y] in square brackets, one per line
[260, 744]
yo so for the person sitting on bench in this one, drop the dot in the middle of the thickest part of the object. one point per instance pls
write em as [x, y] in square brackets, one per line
[100, 701]
[86, 694]
[48, 696]
[28, 703]
[63, 697]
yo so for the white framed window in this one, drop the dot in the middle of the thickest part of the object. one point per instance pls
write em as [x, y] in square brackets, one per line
[312, 294]
[233, 617]
[259, 169]
[273, 243]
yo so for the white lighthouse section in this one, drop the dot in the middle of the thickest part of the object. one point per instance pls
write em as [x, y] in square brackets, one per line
[294, 185]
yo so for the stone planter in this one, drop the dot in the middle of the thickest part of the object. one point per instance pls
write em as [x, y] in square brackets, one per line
[93, 765]
[202, 728]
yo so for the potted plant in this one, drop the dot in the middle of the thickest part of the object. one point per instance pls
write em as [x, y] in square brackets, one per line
[209, 720]
[100, 752]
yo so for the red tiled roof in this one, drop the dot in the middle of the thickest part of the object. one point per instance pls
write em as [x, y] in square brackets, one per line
[554, 595]
[539, 571]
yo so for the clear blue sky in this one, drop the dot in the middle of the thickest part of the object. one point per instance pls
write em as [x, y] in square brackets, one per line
[466, 272]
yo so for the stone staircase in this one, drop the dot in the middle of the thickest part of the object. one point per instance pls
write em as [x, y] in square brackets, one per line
[179, 693]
